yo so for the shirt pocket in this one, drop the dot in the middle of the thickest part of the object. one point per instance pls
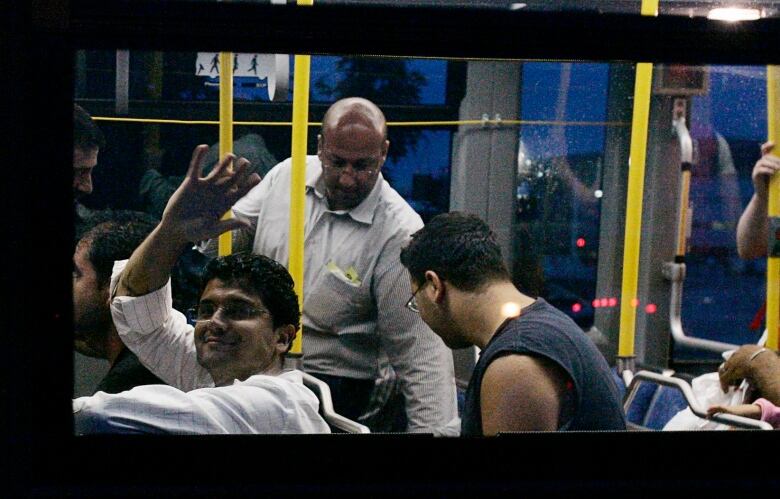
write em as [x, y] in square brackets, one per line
[339, 303]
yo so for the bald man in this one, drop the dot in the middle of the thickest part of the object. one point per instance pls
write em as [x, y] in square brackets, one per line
[354, 319]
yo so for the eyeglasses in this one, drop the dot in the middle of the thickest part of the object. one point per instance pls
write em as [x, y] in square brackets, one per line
[363, 166]
[205, 311]
[412, 303]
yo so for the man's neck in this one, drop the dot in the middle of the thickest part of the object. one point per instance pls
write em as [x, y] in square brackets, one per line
[480, 314]
[114, 346]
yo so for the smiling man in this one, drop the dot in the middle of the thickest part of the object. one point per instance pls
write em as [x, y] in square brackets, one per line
[226, 372]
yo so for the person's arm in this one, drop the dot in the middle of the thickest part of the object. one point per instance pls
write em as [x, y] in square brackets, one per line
[141, 306]
[752, 411]
[769, 412]
[192, 214]
[160, 409]
[521, 393]
[422, 362]
[158, 335]
[753, 224]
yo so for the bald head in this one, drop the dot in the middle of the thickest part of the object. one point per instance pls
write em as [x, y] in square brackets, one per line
[354, 112]
[352, 148]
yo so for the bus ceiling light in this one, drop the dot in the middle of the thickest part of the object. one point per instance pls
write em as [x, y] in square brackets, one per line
[733, 14]
[517, 6]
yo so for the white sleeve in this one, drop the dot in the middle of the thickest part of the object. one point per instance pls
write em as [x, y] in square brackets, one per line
[265, 407]
[159, 335]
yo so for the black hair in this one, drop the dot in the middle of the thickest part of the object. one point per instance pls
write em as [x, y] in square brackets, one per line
[264, 277]
[460, 248]
[86, 134]
[114, 235]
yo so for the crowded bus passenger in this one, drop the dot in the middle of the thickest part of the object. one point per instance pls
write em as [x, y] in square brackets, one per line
[87, 141]
[761, 368]
[537, 370]
[750, 362]
[226, 373]
[113, 236]
[354, 323]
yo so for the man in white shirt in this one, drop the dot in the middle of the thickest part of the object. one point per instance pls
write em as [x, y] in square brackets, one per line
[225, 373]
[354, 320]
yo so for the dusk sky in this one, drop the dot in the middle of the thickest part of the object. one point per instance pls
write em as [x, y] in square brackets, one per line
[736, 102]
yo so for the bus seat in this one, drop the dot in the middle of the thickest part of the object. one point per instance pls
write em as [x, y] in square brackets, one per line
[337, 422]
[666, 402]
[636, 408]
[654, 399]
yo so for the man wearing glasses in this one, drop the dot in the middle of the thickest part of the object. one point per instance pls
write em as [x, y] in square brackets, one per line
[354, 319]
[537, 370]
[226, 372]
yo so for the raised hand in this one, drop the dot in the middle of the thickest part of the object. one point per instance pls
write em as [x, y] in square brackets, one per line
[764, 169]
[194, 211]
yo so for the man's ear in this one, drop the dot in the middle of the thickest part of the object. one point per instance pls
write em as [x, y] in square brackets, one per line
[285, 336]
[319, 144]
[437, 288]
[385, 149]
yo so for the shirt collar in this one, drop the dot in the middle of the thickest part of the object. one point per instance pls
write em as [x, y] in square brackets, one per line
[364, 212]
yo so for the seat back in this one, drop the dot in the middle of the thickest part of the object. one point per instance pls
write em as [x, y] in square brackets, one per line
[337, 422]
[653, 399]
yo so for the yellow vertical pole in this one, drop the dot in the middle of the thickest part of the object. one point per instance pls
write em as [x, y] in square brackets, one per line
[773, 262]
[225, 242]
[300, 128]
[636, 179]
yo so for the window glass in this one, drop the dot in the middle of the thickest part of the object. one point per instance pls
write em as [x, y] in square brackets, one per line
[723, 293]
[560, 159]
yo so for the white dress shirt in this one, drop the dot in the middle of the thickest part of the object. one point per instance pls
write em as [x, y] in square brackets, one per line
[163, 341]
[259, 404]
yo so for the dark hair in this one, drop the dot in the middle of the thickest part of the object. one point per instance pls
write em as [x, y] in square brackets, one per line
[114, 235]
[265, 277]
[86, 134]
[459, 247]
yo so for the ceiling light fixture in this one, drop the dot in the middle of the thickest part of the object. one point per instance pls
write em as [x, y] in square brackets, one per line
[733, 14]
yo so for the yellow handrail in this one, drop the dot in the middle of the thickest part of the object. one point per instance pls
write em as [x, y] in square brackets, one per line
[636, 179]
[773, 263]
[298, 180]
[389, 123]
[225, 241]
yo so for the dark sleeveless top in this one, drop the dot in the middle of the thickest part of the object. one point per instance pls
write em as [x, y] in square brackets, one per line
[592, 401]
